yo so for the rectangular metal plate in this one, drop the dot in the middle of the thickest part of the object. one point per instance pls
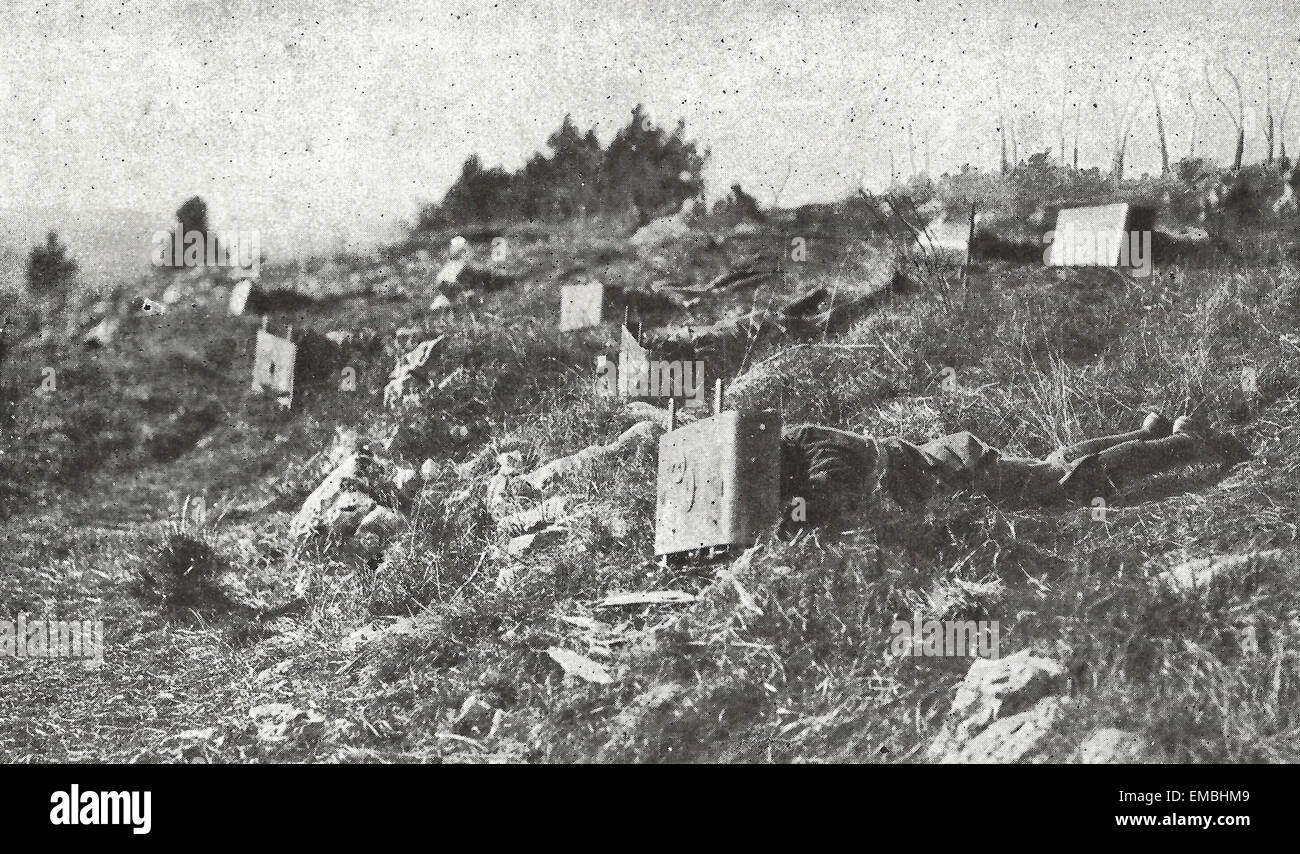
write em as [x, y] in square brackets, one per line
[581, 306]
[1089, 237]
[633, 364]
[718, 481]
[945, 237]
[239, 297]
[273, 365]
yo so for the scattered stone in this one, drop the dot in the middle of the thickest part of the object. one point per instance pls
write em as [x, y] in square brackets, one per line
[657, 232]
[346, 513]
[406, 483]
[995, 688]
[277, 721]
[618, 526]
[344, 493]
[428, 471]
[525, 543]
[274, 672]
[449, 275]
[475, 719]
[1193, 575]
[1009, 739]
[194, 745]
[576, 664]
[1112, 747]
[440, 303]
[995, 691]
[497, 495]
[103, 333]
[506, 576]
[345, 476]
[510, 462]
[360, 638]
[382, 522]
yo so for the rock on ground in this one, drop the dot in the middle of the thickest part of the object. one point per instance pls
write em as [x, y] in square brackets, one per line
[381, 521]
[1008, 739]
[1000, 692]
[1197, 574]
[1113, 747]
[344, 498]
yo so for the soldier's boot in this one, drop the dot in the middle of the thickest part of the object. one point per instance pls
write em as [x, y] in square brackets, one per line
[1220, 446]
[1154, 426]
[1189, 442]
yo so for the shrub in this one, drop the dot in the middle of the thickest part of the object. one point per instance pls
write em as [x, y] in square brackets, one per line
[49, 269]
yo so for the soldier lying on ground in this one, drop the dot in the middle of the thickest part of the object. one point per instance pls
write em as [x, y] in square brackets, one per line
[836, 472]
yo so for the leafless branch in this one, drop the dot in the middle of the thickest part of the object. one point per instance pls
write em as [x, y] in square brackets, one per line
[1236, 122]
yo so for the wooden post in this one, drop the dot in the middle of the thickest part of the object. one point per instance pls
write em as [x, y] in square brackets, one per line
[717, 396]
[970, 245]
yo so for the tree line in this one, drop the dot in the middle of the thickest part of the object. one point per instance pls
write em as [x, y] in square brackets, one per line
[646, 170]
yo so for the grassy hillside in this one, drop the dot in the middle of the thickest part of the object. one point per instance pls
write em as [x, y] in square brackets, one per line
[782, 654]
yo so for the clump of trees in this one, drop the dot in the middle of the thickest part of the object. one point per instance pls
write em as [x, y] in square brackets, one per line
[50, 270]
[191, 234]
[645, 171]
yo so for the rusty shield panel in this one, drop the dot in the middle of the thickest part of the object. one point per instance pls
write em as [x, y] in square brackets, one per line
[718, 482]
[633, 367]
[581, 306]
[1089, 236]
[273, 366]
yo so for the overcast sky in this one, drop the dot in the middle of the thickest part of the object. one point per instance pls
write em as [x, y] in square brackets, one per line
[339, 118]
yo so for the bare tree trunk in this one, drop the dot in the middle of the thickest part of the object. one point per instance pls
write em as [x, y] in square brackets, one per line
[1121, 140]
[1160, 133]
[1238, 121]
[1268, 110]
[1281, 119]
[1002, 127]
[911, 149]
[1076, 137]
[1015, 146]
[1060, 124]
[1196, 125]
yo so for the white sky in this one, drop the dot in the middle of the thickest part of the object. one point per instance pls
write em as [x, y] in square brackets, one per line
[339, 118]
